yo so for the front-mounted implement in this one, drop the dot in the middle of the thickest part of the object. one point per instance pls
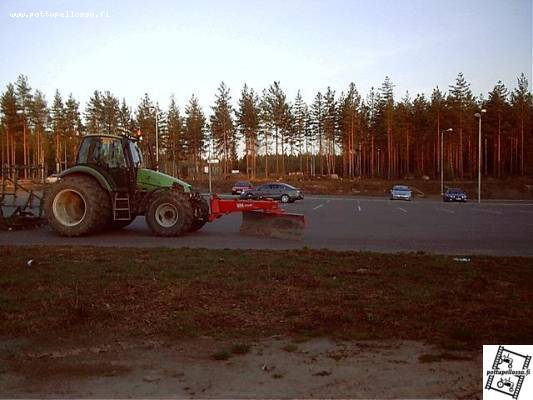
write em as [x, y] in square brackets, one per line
[108, 188]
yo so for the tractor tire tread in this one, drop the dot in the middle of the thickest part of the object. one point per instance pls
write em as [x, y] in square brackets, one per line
[185, 211]
[97, 201]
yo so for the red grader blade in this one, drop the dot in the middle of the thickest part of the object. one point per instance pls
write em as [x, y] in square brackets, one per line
[260, 217]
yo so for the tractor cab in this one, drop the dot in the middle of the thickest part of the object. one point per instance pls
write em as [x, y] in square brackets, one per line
[116, 158]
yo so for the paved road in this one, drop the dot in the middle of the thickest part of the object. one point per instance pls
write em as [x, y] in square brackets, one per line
[349, 223]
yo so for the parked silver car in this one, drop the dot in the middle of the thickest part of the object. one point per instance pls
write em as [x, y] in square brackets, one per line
[277, 191]
[401, 192]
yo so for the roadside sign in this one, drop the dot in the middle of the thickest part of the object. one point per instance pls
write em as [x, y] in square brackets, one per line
[213, 161]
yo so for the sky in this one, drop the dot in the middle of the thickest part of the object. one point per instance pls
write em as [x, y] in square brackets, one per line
[164, 47]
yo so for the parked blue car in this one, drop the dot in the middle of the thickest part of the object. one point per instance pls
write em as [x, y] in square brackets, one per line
[400, 192]
[454, 194]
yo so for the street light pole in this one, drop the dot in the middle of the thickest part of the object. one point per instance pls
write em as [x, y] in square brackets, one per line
[478, 116]
[156, 139]
[442, 160]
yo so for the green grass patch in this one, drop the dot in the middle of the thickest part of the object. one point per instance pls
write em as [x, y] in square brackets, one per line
[250, 294]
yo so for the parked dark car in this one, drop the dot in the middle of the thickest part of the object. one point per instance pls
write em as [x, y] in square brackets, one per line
[454, 194]
[400, 192]
[277, 191]
[240, 187]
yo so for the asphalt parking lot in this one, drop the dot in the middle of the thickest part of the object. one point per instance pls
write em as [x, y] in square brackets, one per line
[348, 223]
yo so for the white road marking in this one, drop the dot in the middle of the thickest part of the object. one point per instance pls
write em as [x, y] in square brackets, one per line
[445, 210]
[317, 207]
[402, 209]
[359, 208]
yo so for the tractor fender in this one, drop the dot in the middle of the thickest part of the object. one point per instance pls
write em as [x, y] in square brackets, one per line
[85, 170]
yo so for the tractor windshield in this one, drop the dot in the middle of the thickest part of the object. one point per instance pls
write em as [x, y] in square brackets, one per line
[104, 151]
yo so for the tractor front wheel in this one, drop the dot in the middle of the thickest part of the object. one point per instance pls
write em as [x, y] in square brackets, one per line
[169, 214]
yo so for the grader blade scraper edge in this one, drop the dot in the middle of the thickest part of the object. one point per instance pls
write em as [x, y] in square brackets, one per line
[280, 226]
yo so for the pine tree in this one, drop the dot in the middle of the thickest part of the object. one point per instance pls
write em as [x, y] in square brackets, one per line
[266, 124]
[73, 129]
[437, 111]
[497, 122]
[39, 116]
[373, 118]
[126, 121]
[386, 111]
[94, 114]
[279, 116]
[349, 126]
[24, 104]
[146, 121]
[330, 128]
[8, 106]
[404, 134]
[248, 122]
[195, 126]
[318, 114]
[177, 144]
[422, 134]
[301, 128]
[223, 129]
[58, 128]
[461, 103]
[522, 103]
[110, 118]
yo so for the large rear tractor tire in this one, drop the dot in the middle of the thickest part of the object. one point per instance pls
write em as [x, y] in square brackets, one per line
[169, 214]
[77, 205]
[200, 213]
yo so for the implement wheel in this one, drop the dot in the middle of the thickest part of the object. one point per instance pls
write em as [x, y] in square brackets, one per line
[200, 213]
[77, 205]
[169, 214]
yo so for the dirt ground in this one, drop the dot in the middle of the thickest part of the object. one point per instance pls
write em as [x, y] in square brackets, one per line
[205, 368]
[88, 322]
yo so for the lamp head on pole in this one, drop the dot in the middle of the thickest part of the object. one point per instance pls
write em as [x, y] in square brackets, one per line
[479, 114]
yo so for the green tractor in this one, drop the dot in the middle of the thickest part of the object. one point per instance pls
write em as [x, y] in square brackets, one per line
[108, 188]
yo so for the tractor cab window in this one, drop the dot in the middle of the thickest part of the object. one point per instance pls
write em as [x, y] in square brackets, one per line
[106, 152]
